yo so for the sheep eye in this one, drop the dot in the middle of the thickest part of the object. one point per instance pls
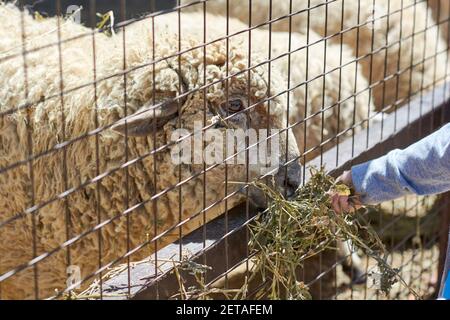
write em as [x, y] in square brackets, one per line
[235, 105]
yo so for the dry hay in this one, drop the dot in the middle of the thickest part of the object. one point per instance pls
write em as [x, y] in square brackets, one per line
[284, 239]
[291, 232]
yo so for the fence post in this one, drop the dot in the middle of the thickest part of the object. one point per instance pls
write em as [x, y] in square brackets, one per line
[443, 237]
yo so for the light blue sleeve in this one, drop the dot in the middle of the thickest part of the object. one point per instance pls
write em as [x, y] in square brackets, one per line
[422, 169]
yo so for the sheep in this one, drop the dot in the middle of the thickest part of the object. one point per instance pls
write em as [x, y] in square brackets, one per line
[62, 181]
[400, 49]
[441, 13]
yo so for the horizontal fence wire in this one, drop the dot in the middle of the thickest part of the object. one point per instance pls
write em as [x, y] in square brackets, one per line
[93, 203]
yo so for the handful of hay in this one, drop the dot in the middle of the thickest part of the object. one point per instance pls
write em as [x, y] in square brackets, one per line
[291, 231]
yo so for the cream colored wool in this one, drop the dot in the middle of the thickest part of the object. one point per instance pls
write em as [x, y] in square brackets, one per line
[441, 13]
[72, 68]
[416, 58]
[334, 85]
[337, 97]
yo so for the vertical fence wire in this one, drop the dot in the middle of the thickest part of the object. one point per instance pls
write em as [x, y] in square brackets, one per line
[247, 169]
[63, 133]
[227, 101]
[30, 154]
[93, 17]
[154, 178]
[123, 15]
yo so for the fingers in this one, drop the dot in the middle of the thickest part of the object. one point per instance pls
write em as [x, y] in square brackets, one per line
[340, 204]
[335, 202]
[356, 203]
[344, 204]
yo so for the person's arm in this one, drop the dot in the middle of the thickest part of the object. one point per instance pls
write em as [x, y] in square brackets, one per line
[422, 169]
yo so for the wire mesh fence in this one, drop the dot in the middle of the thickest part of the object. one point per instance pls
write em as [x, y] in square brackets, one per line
[131, 133]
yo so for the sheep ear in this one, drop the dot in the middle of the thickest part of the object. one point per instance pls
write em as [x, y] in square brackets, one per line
[146, 119]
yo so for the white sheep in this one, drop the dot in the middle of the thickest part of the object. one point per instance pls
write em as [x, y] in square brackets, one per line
[33, 110]
[401, 50]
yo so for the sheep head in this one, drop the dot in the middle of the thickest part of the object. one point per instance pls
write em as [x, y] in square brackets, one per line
[199, 93]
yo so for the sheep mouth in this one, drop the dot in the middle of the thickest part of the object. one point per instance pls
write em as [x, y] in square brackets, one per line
[259, 200]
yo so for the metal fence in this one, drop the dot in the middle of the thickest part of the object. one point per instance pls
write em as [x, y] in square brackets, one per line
[108, 171]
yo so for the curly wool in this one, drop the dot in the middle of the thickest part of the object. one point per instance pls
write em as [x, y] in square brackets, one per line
[328, 94]
[337, 96]
[403, 40]
[94, 97]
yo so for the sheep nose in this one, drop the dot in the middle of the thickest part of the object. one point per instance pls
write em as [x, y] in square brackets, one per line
[290, 190]
[290, 178]
[293, 180]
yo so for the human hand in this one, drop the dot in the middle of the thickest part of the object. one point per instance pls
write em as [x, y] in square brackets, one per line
[342, 200]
